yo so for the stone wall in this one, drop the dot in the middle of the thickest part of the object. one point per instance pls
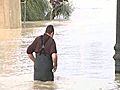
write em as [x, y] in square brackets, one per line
[10, 14]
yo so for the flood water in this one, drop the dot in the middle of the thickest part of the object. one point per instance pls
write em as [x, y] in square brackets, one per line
[85, 52]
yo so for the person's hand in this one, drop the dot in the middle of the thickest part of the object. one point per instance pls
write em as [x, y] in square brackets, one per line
[54, 68]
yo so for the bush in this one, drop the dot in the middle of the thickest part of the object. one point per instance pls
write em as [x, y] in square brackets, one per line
[37, 10]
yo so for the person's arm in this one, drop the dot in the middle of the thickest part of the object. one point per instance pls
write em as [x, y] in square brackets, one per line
[31, 56]
[54, 55]
[54, 58]
[31, 49]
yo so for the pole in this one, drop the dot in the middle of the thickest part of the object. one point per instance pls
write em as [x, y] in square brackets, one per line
[24, 19]
[25, 4]
[117, 45]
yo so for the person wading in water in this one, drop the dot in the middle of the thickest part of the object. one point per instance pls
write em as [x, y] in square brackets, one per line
[45, 61]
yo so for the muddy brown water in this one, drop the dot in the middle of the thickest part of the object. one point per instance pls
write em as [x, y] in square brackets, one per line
[85, 51]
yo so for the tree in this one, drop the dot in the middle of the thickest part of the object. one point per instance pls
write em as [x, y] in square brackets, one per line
[37, 10]
[61, 8]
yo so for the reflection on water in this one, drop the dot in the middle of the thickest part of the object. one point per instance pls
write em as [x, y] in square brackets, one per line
[85, 50]
[9, 44]
[118, 80]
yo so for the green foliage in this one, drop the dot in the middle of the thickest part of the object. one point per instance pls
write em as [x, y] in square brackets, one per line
[22, 0]
[37, 10]
[65, 10]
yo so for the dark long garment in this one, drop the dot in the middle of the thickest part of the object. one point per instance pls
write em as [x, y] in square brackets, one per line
[43, 67]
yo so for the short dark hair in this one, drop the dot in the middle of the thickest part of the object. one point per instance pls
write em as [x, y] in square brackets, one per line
[49, 29]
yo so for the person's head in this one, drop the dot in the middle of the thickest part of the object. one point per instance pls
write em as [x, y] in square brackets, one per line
[50, 30]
